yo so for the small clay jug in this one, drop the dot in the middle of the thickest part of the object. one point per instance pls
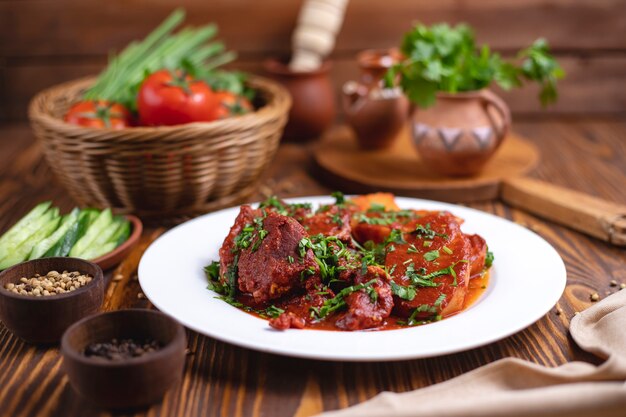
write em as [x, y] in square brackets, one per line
[313, 108]
[375, 113]
[461, 132]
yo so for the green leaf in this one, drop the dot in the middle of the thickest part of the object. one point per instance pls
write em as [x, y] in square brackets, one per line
[432, 255]
[406, 293]
[444, 58]
[489, 259]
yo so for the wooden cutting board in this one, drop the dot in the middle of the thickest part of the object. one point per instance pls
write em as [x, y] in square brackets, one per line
[399, 169]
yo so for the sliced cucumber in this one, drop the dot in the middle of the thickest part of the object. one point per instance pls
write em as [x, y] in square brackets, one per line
[90, 215]
[104, 236]
[21, 230]
[120, 230]
[122, 233]
[97, 228]
[53, 245]
[46, 225]
[99, 251]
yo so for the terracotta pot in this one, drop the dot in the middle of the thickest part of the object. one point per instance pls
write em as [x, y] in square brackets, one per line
[461, 132]
[313, 107]
[375, 113]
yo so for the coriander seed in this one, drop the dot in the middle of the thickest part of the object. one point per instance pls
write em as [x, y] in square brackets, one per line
[50, 284]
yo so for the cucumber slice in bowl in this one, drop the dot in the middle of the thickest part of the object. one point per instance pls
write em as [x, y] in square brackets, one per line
[43, 227]
[55, 244]
[108, 240]
[102, 224]
[23, 229]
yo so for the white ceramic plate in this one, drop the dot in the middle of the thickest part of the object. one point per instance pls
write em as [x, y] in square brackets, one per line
[527, 279]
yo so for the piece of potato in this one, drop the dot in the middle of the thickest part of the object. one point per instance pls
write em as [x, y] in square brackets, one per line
[364, 202]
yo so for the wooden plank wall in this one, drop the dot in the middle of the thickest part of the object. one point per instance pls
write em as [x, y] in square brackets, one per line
[44, 42]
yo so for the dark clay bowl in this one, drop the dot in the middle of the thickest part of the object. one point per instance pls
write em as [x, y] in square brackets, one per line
[126, 383]
[44, 319]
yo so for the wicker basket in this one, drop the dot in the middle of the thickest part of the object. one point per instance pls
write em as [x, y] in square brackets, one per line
[162, 174]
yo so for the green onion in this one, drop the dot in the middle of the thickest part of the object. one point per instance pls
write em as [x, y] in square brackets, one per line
[189, 48]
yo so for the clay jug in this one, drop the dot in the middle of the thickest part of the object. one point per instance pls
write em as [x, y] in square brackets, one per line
[375, 113]
[461, 132]
[313, 107]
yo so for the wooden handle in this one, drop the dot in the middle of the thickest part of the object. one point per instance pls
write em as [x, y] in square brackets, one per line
[490, 99]
[314, 37]
[591, 215]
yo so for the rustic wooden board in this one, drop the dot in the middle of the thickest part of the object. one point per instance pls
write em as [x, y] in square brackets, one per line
[224, 380]
[399, 169]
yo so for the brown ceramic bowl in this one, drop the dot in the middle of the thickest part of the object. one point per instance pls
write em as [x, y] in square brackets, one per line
[126, 383]
[118, 254]
[313, 99]
[44, 319]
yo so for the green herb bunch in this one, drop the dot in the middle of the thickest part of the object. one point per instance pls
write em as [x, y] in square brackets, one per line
[447, 59]
[191, 49]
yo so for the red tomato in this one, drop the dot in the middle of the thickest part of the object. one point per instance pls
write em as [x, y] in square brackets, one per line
[99, 114]
[231, 104]
[172, 98]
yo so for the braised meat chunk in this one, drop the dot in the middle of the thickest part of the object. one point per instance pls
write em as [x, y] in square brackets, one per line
[357, 264]
[229, 250]
[332, 221]
[270, 266]
[297, 309]
[430, 268]
[478, 254]
[368, 307]
[287, 320]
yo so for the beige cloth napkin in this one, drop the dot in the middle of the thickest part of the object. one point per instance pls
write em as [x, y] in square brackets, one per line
[514, 387]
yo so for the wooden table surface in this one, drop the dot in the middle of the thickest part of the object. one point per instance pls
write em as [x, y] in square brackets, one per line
[224, 380]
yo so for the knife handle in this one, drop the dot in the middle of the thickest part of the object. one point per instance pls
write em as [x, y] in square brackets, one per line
[594, 216]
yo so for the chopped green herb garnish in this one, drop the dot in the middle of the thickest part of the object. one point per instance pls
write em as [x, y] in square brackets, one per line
[447, 250]
[310, 271]
[376, 207]
[337, 219]
[340, 199]
[395, 237]
[432, 255]
[290, 259]
[273, 311]
[489, 259]
[428, 243]
[327, 251]
[385, 218]
[270, 312]
[231, 277]
[212, 271]
[419, 279]
[406, 293]
[427, 233]
[283, 208]
[338, 301]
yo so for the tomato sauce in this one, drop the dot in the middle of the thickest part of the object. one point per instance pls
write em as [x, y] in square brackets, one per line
[477, 286]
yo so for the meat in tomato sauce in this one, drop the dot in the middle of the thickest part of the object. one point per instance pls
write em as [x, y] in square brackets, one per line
[354, 265]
